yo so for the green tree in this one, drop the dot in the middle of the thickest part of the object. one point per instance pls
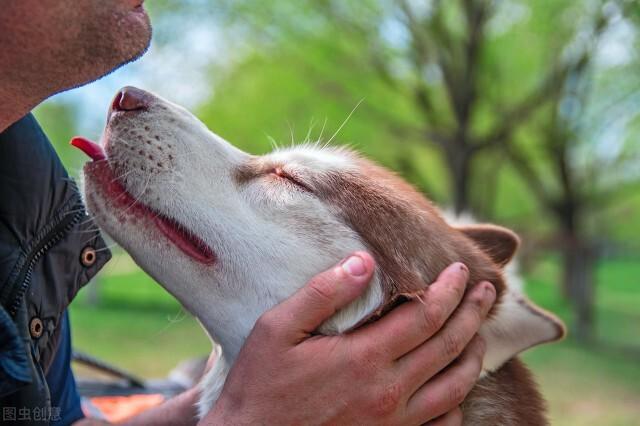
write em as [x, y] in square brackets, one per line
[573, 161]
[498, 82]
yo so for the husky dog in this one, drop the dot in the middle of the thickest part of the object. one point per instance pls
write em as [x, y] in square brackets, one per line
[202, 216]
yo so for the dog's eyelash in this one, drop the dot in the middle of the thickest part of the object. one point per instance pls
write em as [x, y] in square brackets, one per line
[279, 172]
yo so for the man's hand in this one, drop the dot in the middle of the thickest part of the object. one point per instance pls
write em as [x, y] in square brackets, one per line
[413, 366]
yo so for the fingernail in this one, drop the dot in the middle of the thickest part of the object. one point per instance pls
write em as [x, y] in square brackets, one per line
[354, 266]
[489, 291]
[463, 268]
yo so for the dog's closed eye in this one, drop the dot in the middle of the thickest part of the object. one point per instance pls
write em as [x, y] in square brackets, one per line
[283, 175]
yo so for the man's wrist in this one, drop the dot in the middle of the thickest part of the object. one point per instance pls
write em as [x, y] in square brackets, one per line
[225, 413]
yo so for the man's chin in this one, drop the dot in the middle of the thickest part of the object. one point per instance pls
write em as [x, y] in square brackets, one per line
[139, 39]
[137, 50]
[131, 48]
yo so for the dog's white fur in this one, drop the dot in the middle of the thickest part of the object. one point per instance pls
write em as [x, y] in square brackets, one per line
[269, 238]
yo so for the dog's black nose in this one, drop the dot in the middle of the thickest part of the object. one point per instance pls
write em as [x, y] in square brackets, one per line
[131, 99]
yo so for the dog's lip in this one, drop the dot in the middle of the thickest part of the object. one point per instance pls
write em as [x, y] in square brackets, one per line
[185, 240]
[189, 243]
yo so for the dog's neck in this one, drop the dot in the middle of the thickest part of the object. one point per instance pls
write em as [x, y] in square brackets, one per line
[229, 322]
[230, 336]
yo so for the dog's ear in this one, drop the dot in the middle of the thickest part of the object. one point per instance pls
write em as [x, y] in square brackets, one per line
[498, 242]
[517, 325]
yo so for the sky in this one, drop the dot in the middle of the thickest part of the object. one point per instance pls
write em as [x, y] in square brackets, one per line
[176, 69]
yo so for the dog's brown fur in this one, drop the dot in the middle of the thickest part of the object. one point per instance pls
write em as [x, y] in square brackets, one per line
[412, 243]
[507, 397]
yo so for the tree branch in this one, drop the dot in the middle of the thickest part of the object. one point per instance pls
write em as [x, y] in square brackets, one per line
[526, 170]
[523, 111]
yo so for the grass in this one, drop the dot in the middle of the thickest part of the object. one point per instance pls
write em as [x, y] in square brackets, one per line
[139, 327]
[598, 384]
[136, 324]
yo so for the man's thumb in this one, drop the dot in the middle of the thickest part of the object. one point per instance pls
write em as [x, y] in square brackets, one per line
[326, 293]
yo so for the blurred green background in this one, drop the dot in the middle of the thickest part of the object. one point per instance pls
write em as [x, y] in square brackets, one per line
[525, 114]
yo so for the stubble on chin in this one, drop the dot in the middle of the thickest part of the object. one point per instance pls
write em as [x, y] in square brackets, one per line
[106, 48]
[51, 46]
[98, 45]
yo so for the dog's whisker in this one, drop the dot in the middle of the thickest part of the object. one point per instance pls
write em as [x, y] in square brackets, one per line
[137, 199]
[86, 231]
[345, 121]
[180, 316]
[74, 211]
[291, 132]
[307, 138]
[322, 129]
[88, 220]
[117, 178]
[107, 247]
[274, 143]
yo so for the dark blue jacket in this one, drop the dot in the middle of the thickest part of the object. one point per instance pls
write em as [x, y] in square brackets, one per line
[49, 248]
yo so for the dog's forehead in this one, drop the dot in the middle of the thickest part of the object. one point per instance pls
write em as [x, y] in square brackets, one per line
[316, 158]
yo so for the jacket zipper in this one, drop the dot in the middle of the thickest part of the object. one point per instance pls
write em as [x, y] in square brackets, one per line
[50, 240]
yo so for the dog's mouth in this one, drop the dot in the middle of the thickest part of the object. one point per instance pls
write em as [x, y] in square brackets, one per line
[183, 238]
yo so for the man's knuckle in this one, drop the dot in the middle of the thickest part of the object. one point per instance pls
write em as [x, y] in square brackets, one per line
[433, 317]
[429, 403]
[367, 360]
[457, 393]
[321, 289]
[452, 345]
[388, 399]
[369, 352]
[267, 323]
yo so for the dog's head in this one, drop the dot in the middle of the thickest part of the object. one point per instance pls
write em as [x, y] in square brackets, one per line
[232, 234]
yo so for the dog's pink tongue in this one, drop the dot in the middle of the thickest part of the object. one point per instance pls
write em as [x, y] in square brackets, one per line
[92, 149]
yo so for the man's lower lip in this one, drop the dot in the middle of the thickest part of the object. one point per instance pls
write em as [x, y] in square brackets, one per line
[139, 9]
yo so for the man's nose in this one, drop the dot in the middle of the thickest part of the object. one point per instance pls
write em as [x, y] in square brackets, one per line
[131, 99]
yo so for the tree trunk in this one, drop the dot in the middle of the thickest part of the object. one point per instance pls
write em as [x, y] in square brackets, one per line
[578, 283]
[459, 164]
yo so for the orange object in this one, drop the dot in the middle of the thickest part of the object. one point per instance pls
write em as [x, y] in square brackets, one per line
[119, 408]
